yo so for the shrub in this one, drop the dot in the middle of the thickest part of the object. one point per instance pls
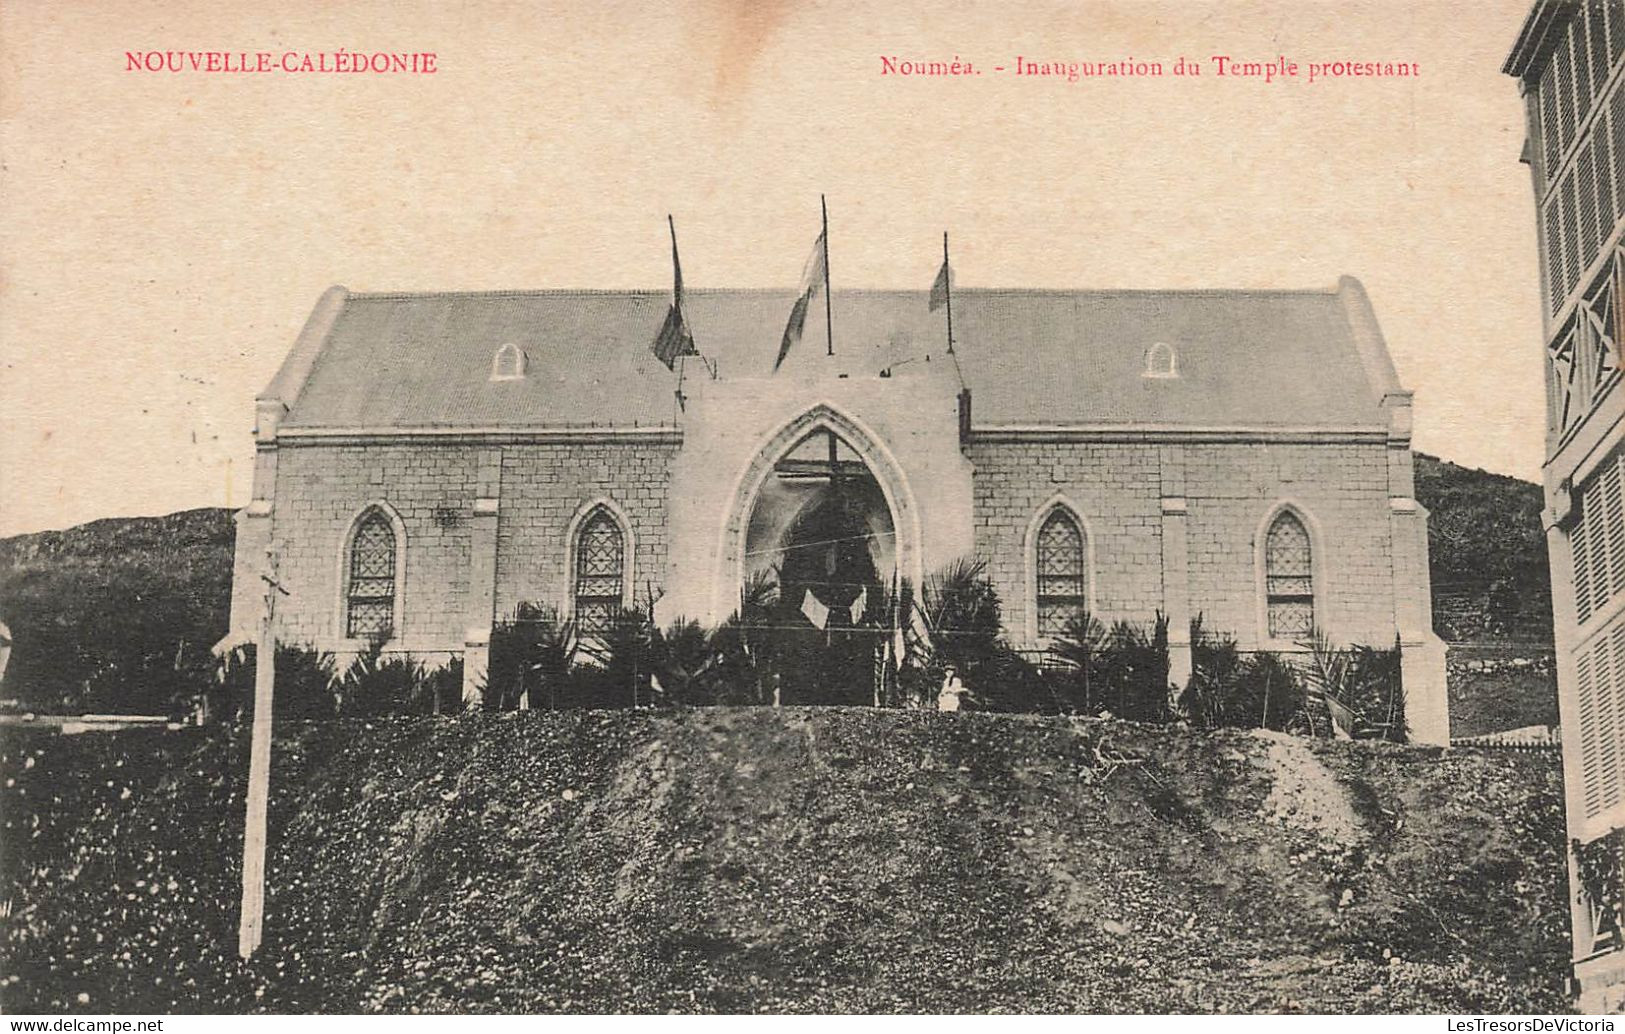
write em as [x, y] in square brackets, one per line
[625, 661]
[747, 667]
[445, 687]
[683, 657]
[374, 686]
[531, 656]
[1121, 671]
[1361, 686]
[1600, 870]
[1214, 696]
[1270, 688]
[1241, 690]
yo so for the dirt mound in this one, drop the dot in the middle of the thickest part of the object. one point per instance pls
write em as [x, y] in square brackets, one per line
[787, 860]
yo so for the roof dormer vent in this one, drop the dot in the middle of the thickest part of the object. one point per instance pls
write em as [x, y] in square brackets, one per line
[509, 363]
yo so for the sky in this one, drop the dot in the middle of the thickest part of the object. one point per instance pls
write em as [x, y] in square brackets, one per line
[165, 235]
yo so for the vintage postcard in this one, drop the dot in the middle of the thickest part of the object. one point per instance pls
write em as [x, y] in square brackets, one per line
[717, 507]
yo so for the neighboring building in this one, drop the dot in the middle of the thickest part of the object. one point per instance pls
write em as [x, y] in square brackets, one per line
[428, 462]
[1567, 61]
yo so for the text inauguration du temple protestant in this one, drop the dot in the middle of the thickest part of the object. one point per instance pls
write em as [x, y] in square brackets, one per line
[1218, 66]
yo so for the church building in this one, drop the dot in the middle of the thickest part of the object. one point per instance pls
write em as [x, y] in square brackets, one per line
[426, 463]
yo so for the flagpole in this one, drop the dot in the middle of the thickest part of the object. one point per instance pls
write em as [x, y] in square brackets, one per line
[829, 309]
[678, 405]
[948, 291]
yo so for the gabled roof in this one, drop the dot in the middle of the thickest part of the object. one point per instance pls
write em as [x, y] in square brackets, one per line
[1299, 359]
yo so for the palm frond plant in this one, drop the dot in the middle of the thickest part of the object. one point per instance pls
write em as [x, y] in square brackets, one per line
[1140, 676]
[967, 634]
[1325, 676]
[532, 654]
[911, 669]
[304, 686]
[623, 656]
[1270, 694]
[1377, 691]
[681, 659]
[376, 685]
[1075, 655]
[1359, 691]
[1213, 697]
[745, 645]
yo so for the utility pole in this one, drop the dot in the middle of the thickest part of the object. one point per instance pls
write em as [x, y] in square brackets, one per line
[252, 928]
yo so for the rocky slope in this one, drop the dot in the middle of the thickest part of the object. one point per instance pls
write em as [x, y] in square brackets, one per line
[781, 860]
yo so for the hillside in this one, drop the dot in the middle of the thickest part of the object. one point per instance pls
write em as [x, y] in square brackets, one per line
[118, 614]
[782, 860]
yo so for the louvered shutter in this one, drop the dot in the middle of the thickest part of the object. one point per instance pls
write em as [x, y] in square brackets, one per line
[1580, 549]
[1612, 533]
[1600, 720]
[1549, 124]
[1586, 171]
[1616, 29]
[1571, 236]
[1564, 66]
[1582, 67]
[1554, 254]
[1605, 186]
[1597, 38]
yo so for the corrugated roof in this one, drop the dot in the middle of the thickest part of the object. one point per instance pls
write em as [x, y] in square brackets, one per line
[1245, 358]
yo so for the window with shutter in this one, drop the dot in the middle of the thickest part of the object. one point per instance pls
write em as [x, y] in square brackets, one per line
[1597, 541]
[1612, 532]
[1600, 720]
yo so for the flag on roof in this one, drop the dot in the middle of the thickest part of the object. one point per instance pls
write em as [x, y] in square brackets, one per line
[674, 338]
[939, 288]
[812, 281]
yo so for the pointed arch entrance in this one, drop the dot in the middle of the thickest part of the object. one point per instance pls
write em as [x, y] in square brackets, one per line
[822, 513]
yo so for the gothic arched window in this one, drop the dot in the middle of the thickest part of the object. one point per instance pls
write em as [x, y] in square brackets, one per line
[1289, 578]
[600, 576]
[1061, 572]
[371, 588]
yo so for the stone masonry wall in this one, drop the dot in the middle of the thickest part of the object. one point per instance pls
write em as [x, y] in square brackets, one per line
[1341, 489]
[432, 487]
[544, 486]
[1228, 490]
[1116, 490]
[320, 490]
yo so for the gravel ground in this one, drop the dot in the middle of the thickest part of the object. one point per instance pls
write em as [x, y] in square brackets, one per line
[793, 860]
